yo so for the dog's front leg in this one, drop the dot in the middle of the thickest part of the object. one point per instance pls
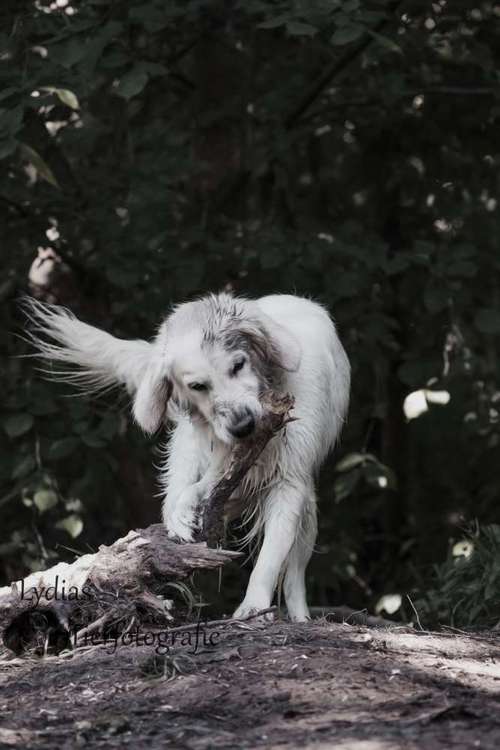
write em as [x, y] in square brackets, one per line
[282, 519]
[188, 478]
[180, 480]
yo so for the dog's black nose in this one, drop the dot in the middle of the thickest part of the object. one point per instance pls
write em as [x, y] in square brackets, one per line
[243, 427]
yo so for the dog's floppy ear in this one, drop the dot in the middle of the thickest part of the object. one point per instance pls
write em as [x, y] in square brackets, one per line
[151, 398]
[273, 343]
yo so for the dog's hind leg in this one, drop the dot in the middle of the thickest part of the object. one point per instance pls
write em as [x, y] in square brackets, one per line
[295, 572]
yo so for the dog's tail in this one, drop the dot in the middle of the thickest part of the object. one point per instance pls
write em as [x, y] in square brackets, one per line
[101, 360]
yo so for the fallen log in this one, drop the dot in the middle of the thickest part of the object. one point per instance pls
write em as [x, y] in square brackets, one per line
[131, 580]
[135, 579]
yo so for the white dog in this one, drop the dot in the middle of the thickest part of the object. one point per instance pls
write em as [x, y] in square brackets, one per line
[204, 372]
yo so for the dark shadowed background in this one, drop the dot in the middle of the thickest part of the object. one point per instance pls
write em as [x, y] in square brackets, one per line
[348, 151]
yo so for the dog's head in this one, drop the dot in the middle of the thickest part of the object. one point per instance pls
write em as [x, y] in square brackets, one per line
[213, 359]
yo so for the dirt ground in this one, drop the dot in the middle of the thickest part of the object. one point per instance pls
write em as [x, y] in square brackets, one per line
[274, 685]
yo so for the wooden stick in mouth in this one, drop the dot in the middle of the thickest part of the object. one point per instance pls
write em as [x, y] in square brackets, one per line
[276, 414]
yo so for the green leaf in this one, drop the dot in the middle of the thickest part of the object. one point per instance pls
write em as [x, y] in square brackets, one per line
[95, 48]
[274, 23]
[345, 484]
[488, 321]
[132, 83]
[462, 268]
[69, 53]
[65, 95]
[63, 448]
[11, 120]
[43, 408]
[113, 59]
[72, 524]
[150, 16]
[397, 264]
[18, 424]
[8, 91]
[40, 165]
[384, 41]
[152, 69]
[372, 16]
[296, 28]
[45, 499]
[24, 467]
[7, 147]
[81, 426]
[93, 440]
[347, 34]
[350, 461]
[109, 426]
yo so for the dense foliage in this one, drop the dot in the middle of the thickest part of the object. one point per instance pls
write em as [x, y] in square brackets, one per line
[465, 587]
[344, 150]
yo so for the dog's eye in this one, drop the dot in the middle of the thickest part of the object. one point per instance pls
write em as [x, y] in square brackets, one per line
[238, 366]
[198, 386]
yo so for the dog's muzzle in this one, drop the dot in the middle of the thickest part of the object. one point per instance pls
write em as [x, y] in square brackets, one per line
[243, 425]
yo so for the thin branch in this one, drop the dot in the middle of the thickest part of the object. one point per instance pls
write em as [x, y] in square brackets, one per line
[415, 611]
[362, 102]
[13, 204]
[218, 623]
[176, 56]
[180, 629]
[334, 70]
[84, 632]
[361, 617]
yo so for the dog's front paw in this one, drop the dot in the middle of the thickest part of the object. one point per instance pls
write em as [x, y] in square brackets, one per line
[182, 528]
[182, 521]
